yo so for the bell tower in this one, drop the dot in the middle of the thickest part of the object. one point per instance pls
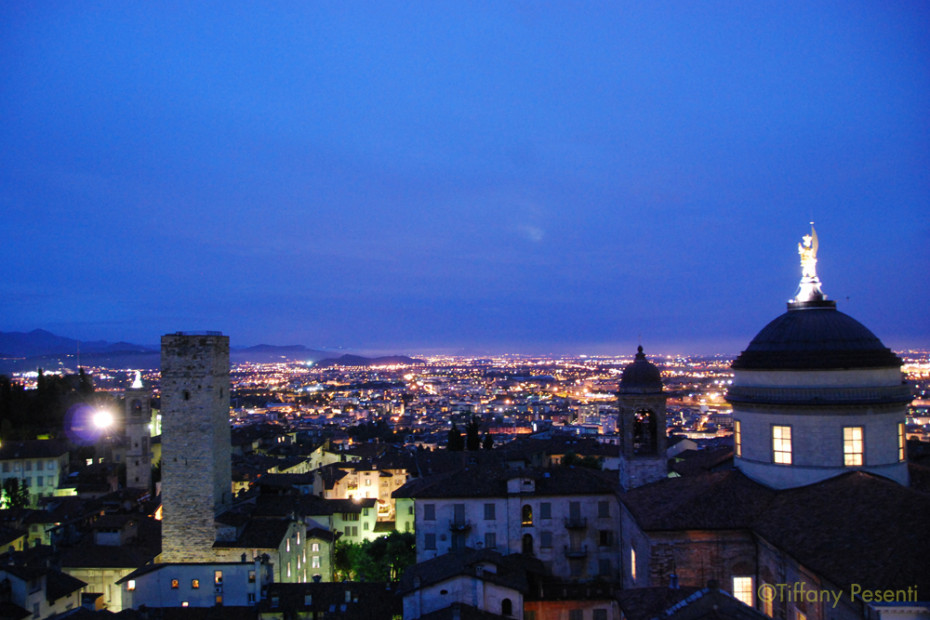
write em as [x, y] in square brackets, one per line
[137, 409]
[643, 438]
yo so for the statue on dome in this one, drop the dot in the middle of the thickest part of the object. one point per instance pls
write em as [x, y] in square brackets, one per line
[809, 289]
[808, 251]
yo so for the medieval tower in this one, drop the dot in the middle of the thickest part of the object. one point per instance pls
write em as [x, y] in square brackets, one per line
[196, 469]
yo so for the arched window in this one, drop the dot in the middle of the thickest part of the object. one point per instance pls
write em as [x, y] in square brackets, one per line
[136, 407]
[527, 514]
[528, 544]
[506, 607]
[645, 438]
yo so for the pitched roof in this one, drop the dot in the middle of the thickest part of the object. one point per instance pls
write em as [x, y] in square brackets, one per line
[491, 481]
[723, 500]
[511, 571]
[855, 528]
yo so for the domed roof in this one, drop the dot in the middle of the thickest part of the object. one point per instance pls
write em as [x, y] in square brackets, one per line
[815, 335]
[641, 376]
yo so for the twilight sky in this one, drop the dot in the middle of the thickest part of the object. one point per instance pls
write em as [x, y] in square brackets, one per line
[503, 175]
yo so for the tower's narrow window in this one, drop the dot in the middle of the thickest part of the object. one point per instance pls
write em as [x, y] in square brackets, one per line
[737, 438]
[902, 442]
[852, 446]
[527, 515]
[781, 445]
[645, 437]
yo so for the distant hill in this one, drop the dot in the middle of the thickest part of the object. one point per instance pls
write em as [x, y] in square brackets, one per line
[40, 342]
[357, 360]
[39, 348]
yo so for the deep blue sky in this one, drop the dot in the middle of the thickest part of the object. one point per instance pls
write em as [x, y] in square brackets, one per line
[520, 176]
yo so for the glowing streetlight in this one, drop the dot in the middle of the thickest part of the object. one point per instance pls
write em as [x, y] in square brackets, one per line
[103, 419]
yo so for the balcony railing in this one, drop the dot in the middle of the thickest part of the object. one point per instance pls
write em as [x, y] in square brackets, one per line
[459, 525]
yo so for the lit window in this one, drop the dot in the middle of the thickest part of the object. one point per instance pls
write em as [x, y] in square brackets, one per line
[527, 515]
[742, 590]
[852, 446]
[901, 442]
[632, 563]
[781, 445]
[174, 584]
[131, 585]
[315, 547]
[298, 537]
[315, 561]
[799, 615]
[218, 577]
[768, 602]
[287, 545]
[195, 584]
[737, 438]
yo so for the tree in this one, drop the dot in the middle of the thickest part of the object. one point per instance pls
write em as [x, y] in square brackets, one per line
[15, 493]
[591, 462]
[472, 437]
[488, 442]
[455, 441]
[380, 560]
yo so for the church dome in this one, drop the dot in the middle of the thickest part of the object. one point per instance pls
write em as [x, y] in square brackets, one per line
[815, 335]
[641, 376]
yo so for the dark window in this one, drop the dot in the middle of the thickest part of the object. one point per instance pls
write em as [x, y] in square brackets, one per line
[429, 512]
[489, 512]
[490, 540]
[606, 538]
[545, 540]
[528, 544]
[603, 508]
[506, 607]
[429, 541]
[545, 510]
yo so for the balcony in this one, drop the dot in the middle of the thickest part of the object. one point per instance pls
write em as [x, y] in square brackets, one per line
[459, 525]
[575, 552]
[576, 523]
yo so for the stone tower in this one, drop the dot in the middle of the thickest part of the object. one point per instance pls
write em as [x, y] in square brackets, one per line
[196, 466]
[816, 394]
[643, 438]
[137, 410]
